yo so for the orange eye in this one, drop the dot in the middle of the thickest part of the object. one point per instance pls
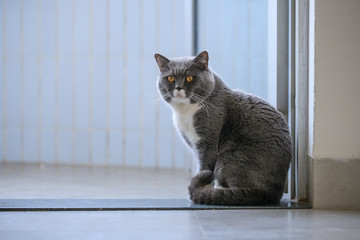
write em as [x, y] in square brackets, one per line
[171, 79]
[189, 78]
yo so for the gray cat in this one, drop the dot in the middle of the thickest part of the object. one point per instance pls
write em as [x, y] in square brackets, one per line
[241, 142]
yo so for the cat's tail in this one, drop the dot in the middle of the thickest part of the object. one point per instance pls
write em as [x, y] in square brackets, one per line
[200, 194]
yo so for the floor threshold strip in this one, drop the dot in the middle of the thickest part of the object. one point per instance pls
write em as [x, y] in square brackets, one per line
[127, 205]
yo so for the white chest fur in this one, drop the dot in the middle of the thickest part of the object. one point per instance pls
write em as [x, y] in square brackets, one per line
[183, 117]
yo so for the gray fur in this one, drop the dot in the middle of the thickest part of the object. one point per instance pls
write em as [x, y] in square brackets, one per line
[244, 143]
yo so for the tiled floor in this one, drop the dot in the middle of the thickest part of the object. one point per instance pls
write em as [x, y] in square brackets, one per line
[64, 182]
[239, 224]
[47, 181]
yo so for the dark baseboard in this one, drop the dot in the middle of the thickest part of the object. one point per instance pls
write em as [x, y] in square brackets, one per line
[127, 205]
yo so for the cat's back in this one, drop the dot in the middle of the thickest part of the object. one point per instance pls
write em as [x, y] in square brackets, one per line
[251, 119]
[252, 108]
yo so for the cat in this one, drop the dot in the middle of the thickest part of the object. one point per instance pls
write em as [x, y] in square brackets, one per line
[241, 142]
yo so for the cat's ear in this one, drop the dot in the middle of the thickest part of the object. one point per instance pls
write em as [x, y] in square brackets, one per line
[162, 62]
[202, 60]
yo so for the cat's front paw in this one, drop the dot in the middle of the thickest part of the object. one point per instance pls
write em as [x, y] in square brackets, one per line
[205, 177]
[202, 179]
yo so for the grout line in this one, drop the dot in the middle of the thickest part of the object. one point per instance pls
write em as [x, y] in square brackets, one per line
[4, 92]
[157, 109]
[91, 78]
[141, 77]
[173, 49]
[39, 83]
[96, 129]
[124, 93]
[74, 65]
[220, 33]
[22, 80]
[235, 44]
[108, 110]
[203, 25]
[203, 233]
[173, 30]
[249, 43]
[56, 142]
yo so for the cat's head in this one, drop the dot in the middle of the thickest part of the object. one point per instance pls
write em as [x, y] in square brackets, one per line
[186, 79]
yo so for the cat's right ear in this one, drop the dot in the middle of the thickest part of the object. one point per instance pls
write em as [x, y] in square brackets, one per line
[162, 62]
[202, 60]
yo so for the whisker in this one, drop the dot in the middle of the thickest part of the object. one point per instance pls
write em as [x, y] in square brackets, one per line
[204, 104]
[159, 97]
[208, 105]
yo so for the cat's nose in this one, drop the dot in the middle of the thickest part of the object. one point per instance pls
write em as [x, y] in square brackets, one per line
[178, 88]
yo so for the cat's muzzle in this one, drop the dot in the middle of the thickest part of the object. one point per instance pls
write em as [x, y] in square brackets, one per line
[179, 94]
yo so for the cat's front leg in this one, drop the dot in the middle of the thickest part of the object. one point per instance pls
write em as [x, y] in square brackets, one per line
[205, 178]
[207, 157]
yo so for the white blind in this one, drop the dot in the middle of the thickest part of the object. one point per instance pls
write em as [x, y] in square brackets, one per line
[78, 77]
[78, 81]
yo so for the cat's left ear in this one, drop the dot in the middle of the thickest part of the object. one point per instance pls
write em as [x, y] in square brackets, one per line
[202, 60]
[162, 62]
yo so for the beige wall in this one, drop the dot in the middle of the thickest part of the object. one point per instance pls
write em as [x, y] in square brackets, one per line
[336, 105]
[337, 79]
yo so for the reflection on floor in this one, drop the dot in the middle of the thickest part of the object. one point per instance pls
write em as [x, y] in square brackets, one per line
[48, 181]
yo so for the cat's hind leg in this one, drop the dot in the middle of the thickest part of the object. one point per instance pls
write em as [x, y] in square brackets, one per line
[236, 186]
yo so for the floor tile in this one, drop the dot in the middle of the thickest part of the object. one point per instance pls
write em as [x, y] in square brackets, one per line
[77, 182]
[280, 224]
[100, 225]
[206, 224]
